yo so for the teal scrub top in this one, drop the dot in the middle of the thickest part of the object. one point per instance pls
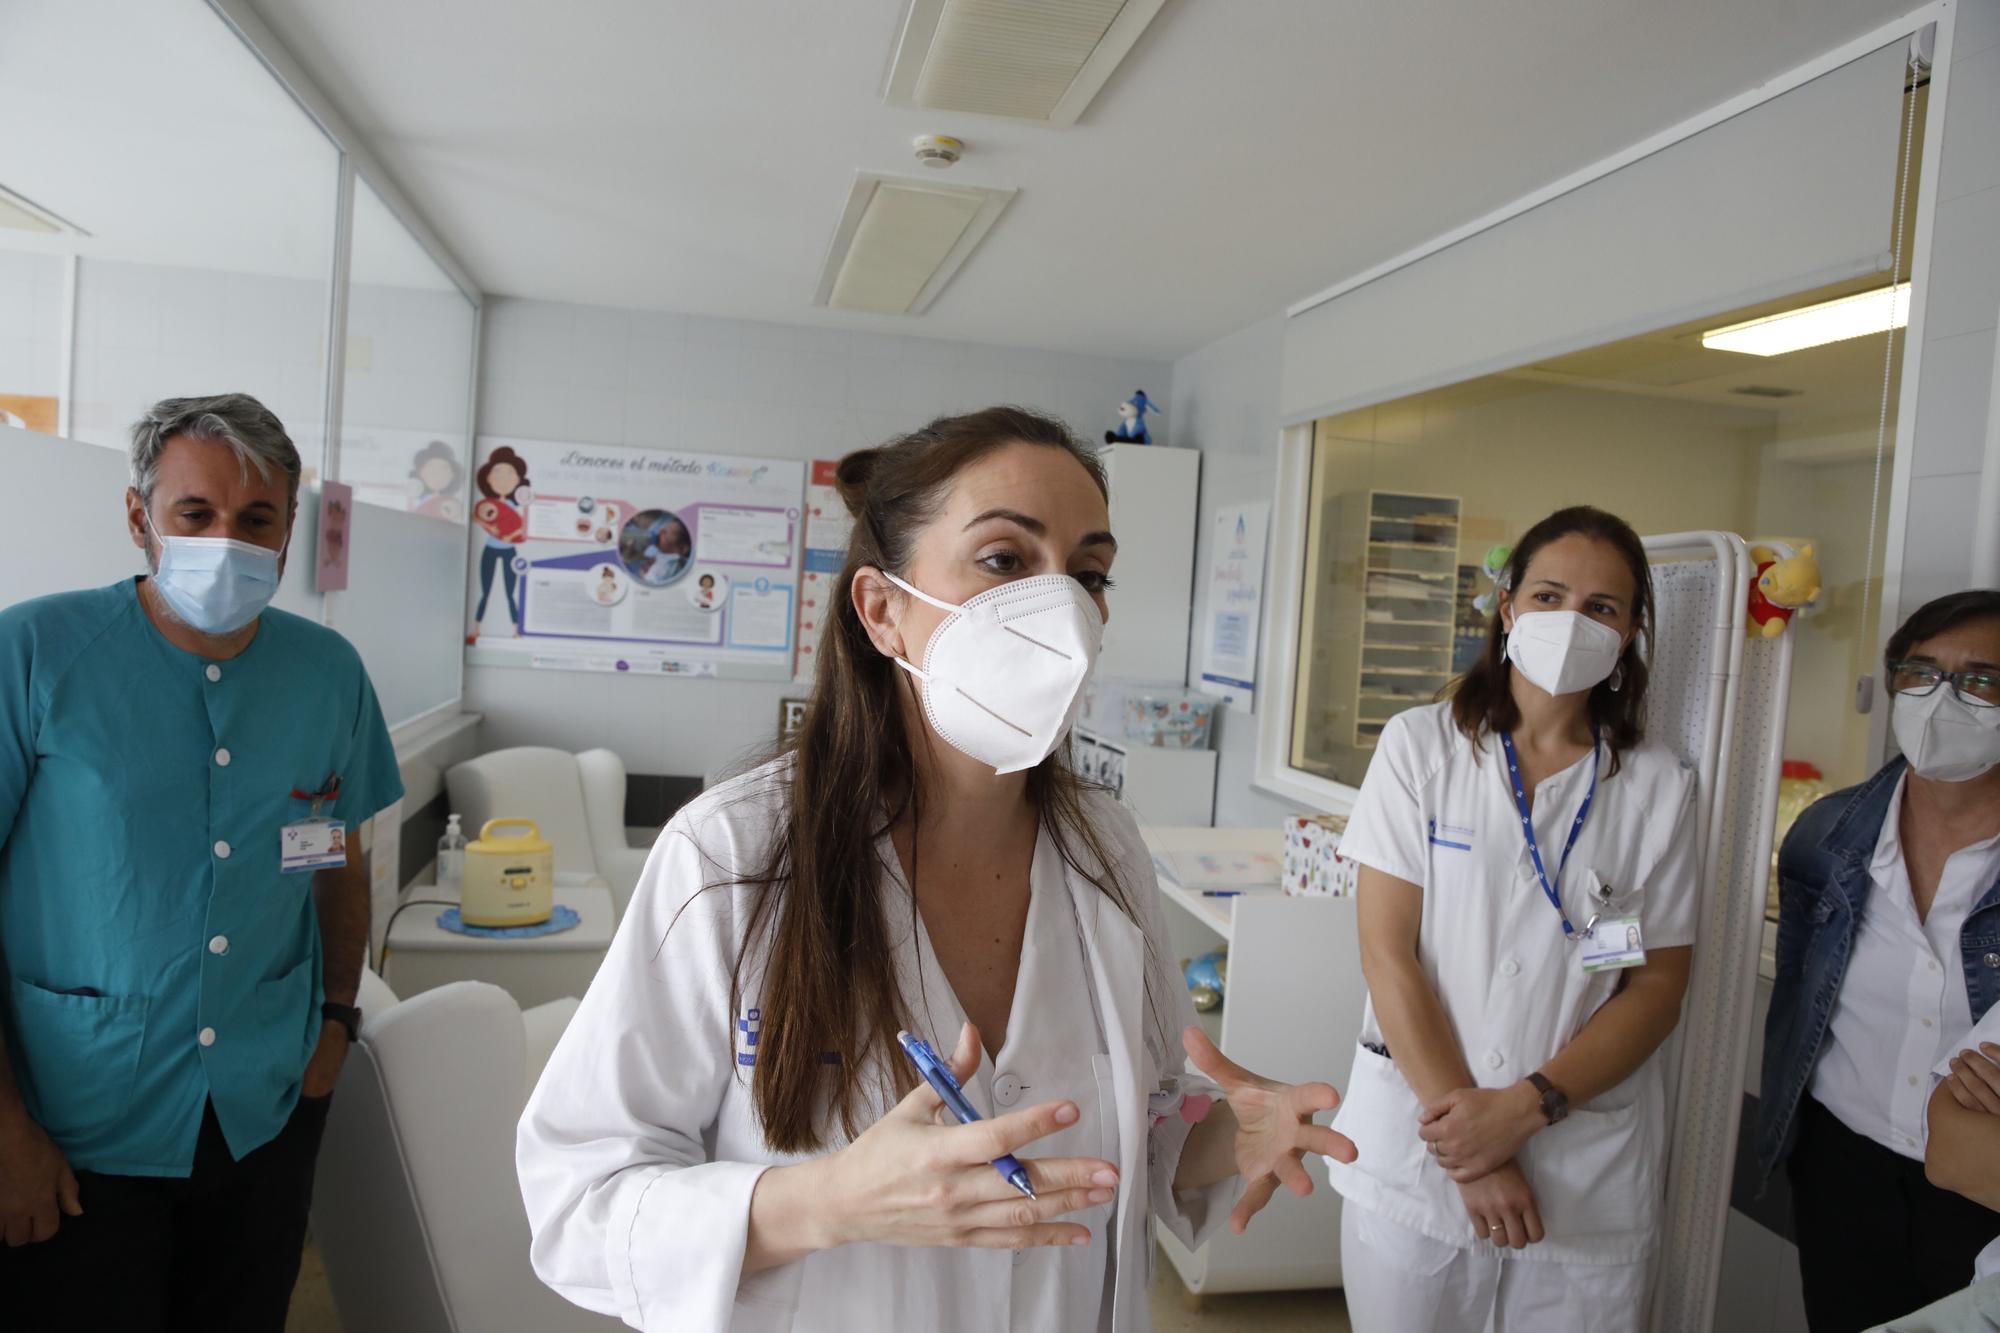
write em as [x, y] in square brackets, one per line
[156, 959]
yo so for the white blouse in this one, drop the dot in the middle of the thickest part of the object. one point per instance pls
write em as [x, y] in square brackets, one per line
[1903, 998]
[640, 1147]
[1437, 810]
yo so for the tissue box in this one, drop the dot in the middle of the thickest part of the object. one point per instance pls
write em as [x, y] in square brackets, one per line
[1314, 867]
[1169, 720]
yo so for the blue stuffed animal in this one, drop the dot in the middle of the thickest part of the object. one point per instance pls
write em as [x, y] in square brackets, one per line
[1131, 427]
[1207, 979]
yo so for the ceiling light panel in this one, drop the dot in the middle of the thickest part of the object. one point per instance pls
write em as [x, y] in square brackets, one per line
[900, 241]
[1878, 311]
[1038, 60]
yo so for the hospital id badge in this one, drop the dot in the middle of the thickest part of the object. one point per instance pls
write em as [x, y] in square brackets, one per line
[312, 844]
[1613, 942]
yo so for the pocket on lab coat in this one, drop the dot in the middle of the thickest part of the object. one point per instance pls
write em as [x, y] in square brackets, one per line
[81, 1054]
[1597, 1170]
[1379, 1112]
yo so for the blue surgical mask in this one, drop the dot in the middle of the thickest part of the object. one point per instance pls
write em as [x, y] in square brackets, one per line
[215, 584]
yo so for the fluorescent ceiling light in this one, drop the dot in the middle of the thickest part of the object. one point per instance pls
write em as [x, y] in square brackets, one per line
[901, 240]
[20, 213]
[1878, 311]
[1039, 60]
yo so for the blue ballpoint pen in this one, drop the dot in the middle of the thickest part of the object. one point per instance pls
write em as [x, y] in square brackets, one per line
[945, 1084]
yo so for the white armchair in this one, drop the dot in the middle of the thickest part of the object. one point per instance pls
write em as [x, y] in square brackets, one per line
[578, 800]
[416, 1208]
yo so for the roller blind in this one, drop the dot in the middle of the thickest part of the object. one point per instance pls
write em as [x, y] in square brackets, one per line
[1792, 193]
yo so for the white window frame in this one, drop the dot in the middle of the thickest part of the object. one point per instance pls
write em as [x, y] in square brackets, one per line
[1290, 503]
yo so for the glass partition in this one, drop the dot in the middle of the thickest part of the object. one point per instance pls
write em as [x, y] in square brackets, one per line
[197, 196]
[407, 388]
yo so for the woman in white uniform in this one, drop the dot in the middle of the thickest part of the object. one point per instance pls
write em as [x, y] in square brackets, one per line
[1527, 905]
[728, 1137]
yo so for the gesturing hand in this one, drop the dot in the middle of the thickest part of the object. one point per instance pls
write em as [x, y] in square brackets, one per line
[918, 1177]
[1274, 1127]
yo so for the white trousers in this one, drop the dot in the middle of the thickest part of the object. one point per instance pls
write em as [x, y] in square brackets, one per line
[1402, 1281]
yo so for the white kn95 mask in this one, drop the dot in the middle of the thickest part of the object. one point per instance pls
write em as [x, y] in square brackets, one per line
[1004, 673]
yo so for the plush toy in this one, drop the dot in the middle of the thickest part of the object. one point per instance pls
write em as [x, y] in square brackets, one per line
[1131, 427]
[1785, 584]
[1496, 570]
[1207, 977]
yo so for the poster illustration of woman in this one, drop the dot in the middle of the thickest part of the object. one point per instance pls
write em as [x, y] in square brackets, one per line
[502, 482]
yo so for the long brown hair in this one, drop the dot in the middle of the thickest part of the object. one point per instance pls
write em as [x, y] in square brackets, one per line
[1482, 700]
[830, 1005]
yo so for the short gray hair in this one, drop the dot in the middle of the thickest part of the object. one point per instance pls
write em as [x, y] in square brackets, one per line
[250, 430]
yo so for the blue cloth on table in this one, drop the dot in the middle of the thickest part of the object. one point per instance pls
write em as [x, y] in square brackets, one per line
[563, 918]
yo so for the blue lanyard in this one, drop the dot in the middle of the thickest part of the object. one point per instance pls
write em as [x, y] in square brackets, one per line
[1528, 824]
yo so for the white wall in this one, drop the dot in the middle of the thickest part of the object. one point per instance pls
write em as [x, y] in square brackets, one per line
[146, 332]
[1962, 301]
[31, 296]
[1225, 403]
[603, 375]
[1828, 503]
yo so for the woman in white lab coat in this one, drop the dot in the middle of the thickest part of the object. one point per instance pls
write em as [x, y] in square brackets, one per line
[1527, 905]
[728, 1136]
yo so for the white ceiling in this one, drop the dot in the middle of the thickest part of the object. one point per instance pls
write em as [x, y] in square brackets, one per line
[695, 155]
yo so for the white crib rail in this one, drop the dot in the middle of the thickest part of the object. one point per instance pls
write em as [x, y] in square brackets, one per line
[1742, 706]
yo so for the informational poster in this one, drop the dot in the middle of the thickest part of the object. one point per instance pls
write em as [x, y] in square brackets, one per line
[336, 509]
[827, 527]
[601, 558]
[1235, 600]
[28, 411]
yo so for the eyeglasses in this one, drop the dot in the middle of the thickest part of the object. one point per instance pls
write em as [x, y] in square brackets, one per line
[1979, 688]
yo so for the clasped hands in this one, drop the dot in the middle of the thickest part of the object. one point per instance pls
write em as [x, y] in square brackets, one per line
[1475, 1134]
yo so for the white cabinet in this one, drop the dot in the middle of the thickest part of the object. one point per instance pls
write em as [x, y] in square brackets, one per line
[1293, 1012]
[1154, 491]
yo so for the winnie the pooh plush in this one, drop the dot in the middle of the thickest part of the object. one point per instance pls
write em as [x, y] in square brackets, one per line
[1784, 585]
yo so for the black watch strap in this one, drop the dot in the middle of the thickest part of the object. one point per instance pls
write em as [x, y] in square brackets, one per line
[1555, 1102]
[344, 1014]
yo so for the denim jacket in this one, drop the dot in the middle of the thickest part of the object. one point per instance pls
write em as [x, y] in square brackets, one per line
[1823, 887]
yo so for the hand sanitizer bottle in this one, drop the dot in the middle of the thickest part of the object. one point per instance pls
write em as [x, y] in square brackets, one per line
[451, 858]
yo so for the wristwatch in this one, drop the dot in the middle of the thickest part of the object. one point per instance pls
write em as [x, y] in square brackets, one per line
[1555, 1102]
[344, 1014]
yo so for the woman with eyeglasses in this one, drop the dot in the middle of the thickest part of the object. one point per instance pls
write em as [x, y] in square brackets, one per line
[1888, 954]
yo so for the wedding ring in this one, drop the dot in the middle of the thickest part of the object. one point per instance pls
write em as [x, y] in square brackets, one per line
[1496, 1230]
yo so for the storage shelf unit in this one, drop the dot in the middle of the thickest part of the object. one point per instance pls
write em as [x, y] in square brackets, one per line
[1288, 958]
[1395, 582]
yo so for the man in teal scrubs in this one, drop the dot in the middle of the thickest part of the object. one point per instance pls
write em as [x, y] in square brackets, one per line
[182, 928]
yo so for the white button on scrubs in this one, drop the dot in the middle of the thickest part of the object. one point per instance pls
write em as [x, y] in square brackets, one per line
[1439, 812]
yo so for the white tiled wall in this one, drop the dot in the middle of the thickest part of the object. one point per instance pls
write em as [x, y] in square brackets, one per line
[31, 293]
[146, 332]
[603, 375]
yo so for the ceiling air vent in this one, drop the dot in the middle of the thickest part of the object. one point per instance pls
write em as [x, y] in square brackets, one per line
[1766, 391]
[1040, 60]
[901, 240]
